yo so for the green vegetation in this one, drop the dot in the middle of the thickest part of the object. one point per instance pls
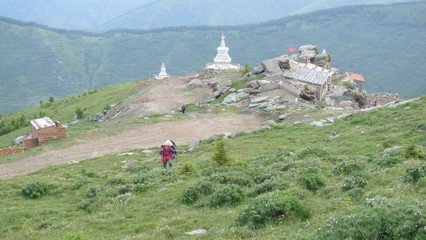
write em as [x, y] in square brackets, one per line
[296, 183]
[38, 62]
[220, 157]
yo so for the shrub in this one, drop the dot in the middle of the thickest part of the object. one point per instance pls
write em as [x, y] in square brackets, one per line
[189, 196]
[51, 99]
[123, 189]
[227, 195]
[35, 190]
[348, 168]
[411, 151]
[246, 69]
[398, 220]
[312, 151]
[79, 113]
[312, 181]
[413, 174]
[220, 156]
[138, 188]
[349, 85]
[228, 178]
[388, 160]
[354, 182]
[138, 179]
[116, 181]
[92, 192]
[205, 187]
[271, 207]
[188, 168]
[86, 206]
[268, 186]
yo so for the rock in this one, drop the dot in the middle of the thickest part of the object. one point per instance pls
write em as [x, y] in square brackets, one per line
[228, 83]
[227, 135]
[329, 101]
[232, 90]
[19, 140]
[271, 66]
[194, 145]
[231, 98]
[269, 123]
[317, 123]
[281, 107]
[263, 82]
[147, 152]
[259, 99]
[217, 94]
[334, 134]
[253, 84]
[196, 232]
[127, 154]
[251, 91]
[243, 95]
[392, 151]
[195, 83]
[330, 119]
[307, 95]
[308, 47]
[269, 87]
[253, 105]
[258, 70]
[283, 117]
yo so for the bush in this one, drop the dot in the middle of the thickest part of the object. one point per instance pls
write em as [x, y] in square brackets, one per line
[246, 69]
[227, 195]
[348, 168]
[388, 160]
[349, 85]
[413, 174]
[92, 192]
[228, 178]
[397, 220]
[312, 181]
[123, 189]
[268, 186]
[188, 168]
[354, 182]
[271, 207]
[220, 156]
[411, 151]
[35, 190]
[312, 151]
[205, 187]
[189, 196]
[79, 113]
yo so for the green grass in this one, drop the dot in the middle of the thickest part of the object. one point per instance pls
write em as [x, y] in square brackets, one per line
[281, 156]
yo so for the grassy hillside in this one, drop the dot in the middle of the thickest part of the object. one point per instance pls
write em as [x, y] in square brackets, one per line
[381, 42]
[291, 182]
[148, 14]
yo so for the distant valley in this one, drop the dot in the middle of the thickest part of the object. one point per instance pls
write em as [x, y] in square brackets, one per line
[383, 42]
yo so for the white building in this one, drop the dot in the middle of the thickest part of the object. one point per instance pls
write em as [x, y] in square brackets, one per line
[222, 60]
[163, 74]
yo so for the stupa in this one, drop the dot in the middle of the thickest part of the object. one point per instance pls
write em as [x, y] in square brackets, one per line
[163, 74]
[222, 60]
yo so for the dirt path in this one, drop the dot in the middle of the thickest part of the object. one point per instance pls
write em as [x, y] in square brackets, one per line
[166, 95]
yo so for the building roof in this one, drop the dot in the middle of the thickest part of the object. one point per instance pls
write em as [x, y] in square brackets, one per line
[42, 123]
[356, 77]
[307, 72]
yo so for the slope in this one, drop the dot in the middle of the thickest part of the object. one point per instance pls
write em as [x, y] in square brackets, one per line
[290, 182]
[148, 14]
[381, 42]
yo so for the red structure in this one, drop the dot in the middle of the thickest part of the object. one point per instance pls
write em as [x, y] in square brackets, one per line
[358, 79]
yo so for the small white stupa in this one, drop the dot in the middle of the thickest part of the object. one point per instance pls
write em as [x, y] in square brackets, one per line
[163, 74]
[223, 60]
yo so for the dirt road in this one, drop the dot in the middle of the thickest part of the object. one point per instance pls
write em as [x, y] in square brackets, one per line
[196, 127]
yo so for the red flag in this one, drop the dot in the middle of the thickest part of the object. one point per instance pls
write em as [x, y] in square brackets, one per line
[292, 49]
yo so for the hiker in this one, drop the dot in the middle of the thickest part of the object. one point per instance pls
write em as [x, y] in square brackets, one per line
[183, 109]
[166, 151]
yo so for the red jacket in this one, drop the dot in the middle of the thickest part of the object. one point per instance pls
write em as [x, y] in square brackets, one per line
[166, 153]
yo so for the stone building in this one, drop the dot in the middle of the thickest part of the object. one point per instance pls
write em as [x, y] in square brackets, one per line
[43, 130]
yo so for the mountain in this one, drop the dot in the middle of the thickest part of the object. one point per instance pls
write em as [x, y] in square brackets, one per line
[100, 15]
[383, 42]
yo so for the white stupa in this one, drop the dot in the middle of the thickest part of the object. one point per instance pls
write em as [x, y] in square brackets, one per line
[223, 60]
[163, 74]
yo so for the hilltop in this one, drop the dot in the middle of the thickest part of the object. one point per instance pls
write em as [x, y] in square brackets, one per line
[98, 15]
[40, 62]
[361, 175]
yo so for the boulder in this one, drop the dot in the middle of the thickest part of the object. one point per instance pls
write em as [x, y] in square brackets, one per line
[268, 87]
[253, 84]
[393, 151]
[243, 95]
[195, 83]
[271, 66]
[317, 123]
[258, 70]
[283, 117]
[19, 140]
[196, 232]
[251, 91]
[232, 90]
[263, 82]
[231, 98]
[259, 99]
[269, 123]
[217, 94]
[284, 65]
[308, 47]
[147, 152]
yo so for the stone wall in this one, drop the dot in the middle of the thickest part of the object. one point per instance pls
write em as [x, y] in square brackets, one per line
[30, 143]
[50, 133]
[9, 151]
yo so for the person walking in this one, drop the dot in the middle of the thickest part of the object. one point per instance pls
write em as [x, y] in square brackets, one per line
[167, 151]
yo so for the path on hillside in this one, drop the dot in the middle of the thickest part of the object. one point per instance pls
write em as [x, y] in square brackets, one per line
[195, 127]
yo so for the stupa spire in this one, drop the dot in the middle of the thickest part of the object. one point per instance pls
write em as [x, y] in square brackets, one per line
[163, 74]
[222, 59]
